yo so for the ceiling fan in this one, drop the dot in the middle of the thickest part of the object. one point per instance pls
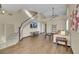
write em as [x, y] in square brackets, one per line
[53, 13]
[2, 11]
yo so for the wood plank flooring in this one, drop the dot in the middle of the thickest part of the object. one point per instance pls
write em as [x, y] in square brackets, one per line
[36, 45]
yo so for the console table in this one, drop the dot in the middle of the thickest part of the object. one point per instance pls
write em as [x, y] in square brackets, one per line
[62, 36]
[33, 34]
[50, 35]
[61, 39]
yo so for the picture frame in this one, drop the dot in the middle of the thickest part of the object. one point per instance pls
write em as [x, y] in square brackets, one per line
[33, 25]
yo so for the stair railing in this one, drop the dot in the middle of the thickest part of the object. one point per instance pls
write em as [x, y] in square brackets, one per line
[24, 23]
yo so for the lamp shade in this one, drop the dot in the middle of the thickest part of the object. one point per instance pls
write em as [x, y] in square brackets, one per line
[63, 32]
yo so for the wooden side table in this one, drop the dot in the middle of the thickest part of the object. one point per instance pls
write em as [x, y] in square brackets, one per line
[61, 39]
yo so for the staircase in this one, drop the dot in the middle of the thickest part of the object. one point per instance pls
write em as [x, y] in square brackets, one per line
[24, 22]
[14, 38]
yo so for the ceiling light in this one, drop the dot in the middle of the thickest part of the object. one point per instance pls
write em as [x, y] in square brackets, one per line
[29, 14]
[1, 10]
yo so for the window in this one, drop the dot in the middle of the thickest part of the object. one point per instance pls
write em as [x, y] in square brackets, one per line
[54, 29]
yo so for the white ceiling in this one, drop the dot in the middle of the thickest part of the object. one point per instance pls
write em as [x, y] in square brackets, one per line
[46, 9]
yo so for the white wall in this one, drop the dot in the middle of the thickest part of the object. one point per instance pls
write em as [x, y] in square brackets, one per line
[74, 34]
[75, 41]
[27, 30]
[2, 34]
[59, 21]
[42, 27]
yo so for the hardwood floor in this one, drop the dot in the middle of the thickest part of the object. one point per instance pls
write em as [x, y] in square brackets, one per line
[36, 45]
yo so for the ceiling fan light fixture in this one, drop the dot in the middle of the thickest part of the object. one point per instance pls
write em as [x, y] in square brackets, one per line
[53, 13]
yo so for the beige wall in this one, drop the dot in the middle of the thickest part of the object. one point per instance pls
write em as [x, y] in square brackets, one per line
[7, 19]
[10, 24]
[5, 31]
[5, 22]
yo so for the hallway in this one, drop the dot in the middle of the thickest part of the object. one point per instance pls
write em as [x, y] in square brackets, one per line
[36, 45]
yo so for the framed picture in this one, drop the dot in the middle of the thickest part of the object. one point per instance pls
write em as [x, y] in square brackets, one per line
[75, 19]
[33, 25]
